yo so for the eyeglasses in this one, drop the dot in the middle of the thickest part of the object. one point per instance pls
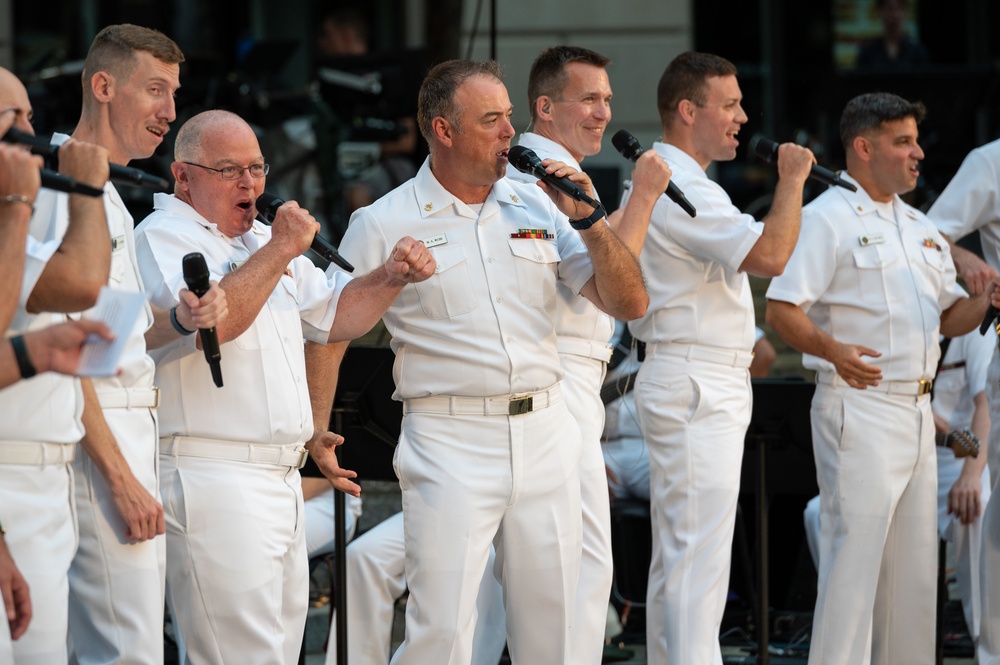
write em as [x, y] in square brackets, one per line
[236, 172]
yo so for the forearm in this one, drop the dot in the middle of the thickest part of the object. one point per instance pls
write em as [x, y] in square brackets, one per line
[322, 367]
[99, 441]
[362, 303]
[162, 331]
[965, 315]
[14, 219]
[617, 287]
[770, 254]
[73, 277]
[792, 324]
[631, 226]
[248, 288]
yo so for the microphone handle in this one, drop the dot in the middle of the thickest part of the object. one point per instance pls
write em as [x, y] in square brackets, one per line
[60, 183]
[675, 194]
[991, 315]
[321, 246]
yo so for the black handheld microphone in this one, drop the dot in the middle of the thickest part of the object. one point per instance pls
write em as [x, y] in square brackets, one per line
[267, 205]
[196, 278]
[767, 150]
[991, 315]
[526, 161]
[60, 183]
[118, 174]
[630, 149]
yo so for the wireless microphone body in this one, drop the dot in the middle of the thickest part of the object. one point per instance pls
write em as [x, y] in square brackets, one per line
[118, 174]
[767, 150]
[991, 315]
[267, 205]
[526, 161]
[61, 183]
[630, 149]
[196, 278]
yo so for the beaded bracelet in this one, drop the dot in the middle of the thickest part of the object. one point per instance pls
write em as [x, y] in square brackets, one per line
[19, 198]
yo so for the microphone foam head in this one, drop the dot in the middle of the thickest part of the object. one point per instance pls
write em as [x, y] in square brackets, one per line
[267, 205]
[626, 144]
[523, 159]
[764, 148]
[194, 268]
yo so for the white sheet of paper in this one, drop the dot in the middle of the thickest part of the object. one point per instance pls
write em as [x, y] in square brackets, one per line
[118, 310]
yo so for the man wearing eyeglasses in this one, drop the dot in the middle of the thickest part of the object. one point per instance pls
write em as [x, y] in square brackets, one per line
[229, 456]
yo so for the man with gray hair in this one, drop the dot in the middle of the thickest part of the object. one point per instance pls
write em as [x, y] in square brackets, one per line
[872, 278]
[229, 456]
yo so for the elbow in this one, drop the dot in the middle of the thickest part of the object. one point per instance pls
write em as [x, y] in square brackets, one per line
[634, 308]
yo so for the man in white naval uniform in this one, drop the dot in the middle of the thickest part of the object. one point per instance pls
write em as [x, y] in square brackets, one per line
[971, 202]
[229, 457]
[872, 277]
[570, 98]
[40, 417]
[693, 390]
[488, 452]
[117, 576]
[959, 402]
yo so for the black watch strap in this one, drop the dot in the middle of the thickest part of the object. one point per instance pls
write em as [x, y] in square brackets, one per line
[584, 224]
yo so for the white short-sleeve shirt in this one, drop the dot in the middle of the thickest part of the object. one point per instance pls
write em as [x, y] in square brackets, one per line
[576, 317]
[483, 323]
[697, 293]
[962, 376]
[971, 201]
[49, 406]
[868, 278]
[264, 398]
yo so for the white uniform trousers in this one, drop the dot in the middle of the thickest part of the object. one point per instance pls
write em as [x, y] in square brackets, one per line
[116, 587]
[966, 539]
[581, 388]
[877, 474]
[38, 514]
[320, 519]
[694, 415]
[989, 628]
[468, 481]
[376, 578]
[237, 571]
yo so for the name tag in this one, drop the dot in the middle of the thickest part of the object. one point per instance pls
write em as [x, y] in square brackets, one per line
[434, 241]
[233, 265]
[871, 239]
[118, 242]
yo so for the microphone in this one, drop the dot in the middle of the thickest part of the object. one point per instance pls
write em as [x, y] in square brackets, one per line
[196, 278]
[526, 161]
[991, 314]
[118, 174]
[767, 150]
[267, 205]
[630, 149]
[61, 183]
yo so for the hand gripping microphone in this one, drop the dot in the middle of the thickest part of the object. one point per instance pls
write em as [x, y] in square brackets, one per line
[118, 174]
[267, 205]
[767, 150]
[526, 161]
[630, 149]
[196, 278]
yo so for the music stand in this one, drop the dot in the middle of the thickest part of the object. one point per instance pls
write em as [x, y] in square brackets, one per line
[780, 422]
[365, 414]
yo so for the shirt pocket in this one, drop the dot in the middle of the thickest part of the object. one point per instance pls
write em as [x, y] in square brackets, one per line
[536, 262]
[448, 292]
[879, 271]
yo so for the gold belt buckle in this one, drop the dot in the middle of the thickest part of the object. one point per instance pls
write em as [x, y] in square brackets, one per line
[924, 386]
[519, 405]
